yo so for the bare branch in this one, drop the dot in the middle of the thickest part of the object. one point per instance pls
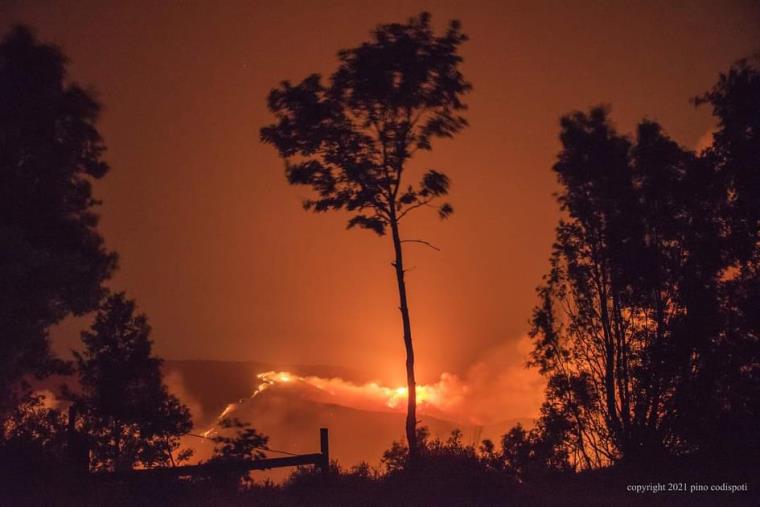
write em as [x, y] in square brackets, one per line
[422, 242]
[426, 202]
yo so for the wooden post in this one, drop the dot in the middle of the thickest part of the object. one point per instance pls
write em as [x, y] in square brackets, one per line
[324, 449]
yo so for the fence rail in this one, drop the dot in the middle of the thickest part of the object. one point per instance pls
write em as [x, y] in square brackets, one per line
[321, 460]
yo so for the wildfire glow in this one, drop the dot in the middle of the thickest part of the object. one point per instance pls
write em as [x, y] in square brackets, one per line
[435, 398]
[493, 389]
[370, 395]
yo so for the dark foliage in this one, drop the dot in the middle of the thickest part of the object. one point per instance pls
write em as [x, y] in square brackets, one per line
[34, 456]
[245, 444]
[52, 258]
[128, 414]
[351, 139]
[647, 328]
[448, 473]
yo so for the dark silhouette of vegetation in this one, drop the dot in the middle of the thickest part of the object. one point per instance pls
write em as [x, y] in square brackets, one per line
[52, 258]
[648, 327]
[725, 392]
[245, 444]
[127, 412]
[448, 473]
[351, 139]
[532, 455]
[52, 264]
[32, 448]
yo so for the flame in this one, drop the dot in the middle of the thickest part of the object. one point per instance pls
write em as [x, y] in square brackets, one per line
[494, 388]
[369, 396]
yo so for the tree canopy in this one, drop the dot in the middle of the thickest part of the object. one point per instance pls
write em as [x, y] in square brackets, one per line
[646, 326]
[350, 139]
[52, 257]
[128, 412]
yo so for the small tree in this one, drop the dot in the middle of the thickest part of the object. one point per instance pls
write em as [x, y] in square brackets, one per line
[536, 453]
[350, 140]
[128, 411]
[33, 447]
[246, 444]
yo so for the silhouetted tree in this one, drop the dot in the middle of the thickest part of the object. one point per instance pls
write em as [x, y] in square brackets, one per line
[32, 448]
[735, 153]
[619, 316]
[245, 444]
[397, 456]
[645, 328]
[352, 138]
[52, 258]
[532, 455]
[447, 472]
[732, 380]
[127, 411]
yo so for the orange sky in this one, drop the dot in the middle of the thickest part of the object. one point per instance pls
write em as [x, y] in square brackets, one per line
[214, 244]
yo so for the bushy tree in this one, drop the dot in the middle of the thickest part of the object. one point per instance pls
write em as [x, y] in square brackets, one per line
[245, 444]
[446, 472]
[432, 452]
[732, 380]
[52, 257]
[351, 139]
[621, 308]
[645, 327]
[534, 454]
[128, 412]
[396, 457]
[33, 450]
[32, 431]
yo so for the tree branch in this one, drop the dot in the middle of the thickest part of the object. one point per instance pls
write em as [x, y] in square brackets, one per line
[418, 204]
[422, 242]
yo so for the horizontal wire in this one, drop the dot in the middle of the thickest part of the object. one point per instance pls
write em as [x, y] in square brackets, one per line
[264, 448]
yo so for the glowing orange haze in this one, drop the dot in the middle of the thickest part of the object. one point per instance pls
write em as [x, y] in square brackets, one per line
[487, 394]
[436, 398]
[372, 394]
[216, 249]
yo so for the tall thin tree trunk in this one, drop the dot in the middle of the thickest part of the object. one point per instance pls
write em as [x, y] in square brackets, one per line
[411, 384]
